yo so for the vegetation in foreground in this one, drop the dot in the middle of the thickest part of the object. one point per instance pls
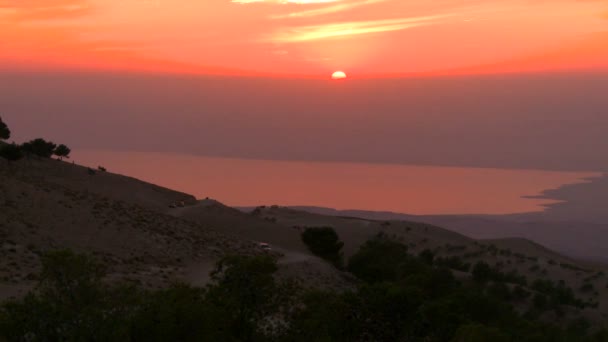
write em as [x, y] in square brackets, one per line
[400, 297]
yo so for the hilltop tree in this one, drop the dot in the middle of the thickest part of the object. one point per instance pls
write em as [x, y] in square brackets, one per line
[39, 147]
[11, 152]
[62, 151]
[5, 133]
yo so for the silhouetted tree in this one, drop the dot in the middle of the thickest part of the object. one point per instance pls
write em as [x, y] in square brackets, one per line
[427, 256]
[482, 272]
[69, 303]
[39, 147]
[325, 243]
[5, 133]
[243, 295]
[62, 151]
[11, 152]
[378, 260]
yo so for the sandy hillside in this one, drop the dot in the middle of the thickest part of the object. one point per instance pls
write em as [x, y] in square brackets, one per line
[137, 231]
[129, 225]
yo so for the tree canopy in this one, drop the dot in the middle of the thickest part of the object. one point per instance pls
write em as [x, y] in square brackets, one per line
[407, 299]
[39, 147]
[11, 152]
[62, 151]
[5, 133]
[324, 243]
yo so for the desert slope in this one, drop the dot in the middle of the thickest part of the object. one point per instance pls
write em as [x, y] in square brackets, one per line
[49, 204]
[131, 226]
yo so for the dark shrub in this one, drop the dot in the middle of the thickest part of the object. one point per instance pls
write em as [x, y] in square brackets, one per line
[453, 262]
[482, 272]
[379, 260]
[62, 151]
[11, 152]
[39, 147]
[325, 243]
[427, 256]
[5, 133]
[69, 305]
[587, 287]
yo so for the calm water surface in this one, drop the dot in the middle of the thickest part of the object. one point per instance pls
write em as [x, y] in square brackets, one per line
[386, 187]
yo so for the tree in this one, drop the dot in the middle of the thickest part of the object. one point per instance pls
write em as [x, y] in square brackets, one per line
[11, 152]
[244, 297]
[478, 332]
[62, 151]
[325, 243]
[5, 133]
[379, 260]
[70, 303]
[39, 147]
[482, 272]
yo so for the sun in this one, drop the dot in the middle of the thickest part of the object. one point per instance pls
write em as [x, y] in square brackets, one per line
[338, 75]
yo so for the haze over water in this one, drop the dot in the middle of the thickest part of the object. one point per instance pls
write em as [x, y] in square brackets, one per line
[383, 187]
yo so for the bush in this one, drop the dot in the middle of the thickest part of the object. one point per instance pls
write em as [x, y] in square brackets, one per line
[378, 260]
[71, 303]
[10, 152]
[482, 272]
[587, 287]
[519, 293]
[325, 243]
[556, 294]
[479, 333]
[453, 262]
[5, 133]
[39, 147]
[245, 302]
[62, 151]
[427, 256]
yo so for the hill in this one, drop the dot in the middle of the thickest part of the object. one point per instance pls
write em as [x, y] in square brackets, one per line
[516, 256]
[578, 238]
[154, 236]
[127, 223]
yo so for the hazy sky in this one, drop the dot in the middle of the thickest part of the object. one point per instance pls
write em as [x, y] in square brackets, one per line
[556, 122]
[305, 37]
[250, 78]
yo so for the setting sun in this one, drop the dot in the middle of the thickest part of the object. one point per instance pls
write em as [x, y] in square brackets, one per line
[338, 75]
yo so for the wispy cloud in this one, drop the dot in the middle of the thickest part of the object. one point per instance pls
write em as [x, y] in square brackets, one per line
[327, 10]
[301, 2]
[337, 30]
[24, 10]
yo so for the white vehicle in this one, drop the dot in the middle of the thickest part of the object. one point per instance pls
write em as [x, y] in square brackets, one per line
[265, 247]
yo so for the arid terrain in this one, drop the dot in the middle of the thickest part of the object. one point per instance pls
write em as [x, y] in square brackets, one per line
[155, 236]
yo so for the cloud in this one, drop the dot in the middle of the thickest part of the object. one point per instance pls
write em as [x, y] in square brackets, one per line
[337, 30]
[327, 10]
[300, 2]
[31, 10]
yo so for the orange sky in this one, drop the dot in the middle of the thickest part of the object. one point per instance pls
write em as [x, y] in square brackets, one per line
[305, 37]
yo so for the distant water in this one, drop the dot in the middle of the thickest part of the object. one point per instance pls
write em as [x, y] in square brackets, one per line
[400, 188]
